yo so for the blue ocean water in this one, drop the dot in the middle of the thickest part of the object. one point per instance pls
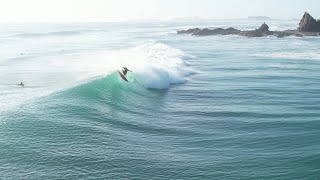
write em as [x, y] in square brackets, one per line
[218, 107]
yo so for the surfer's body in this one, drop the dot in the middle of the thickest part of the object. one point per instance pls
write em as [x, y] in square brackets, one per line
[123, 73]
[125, 70]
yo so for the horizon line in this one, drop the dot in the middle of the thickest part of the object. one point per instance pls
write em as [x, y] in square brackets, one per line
[195, 18]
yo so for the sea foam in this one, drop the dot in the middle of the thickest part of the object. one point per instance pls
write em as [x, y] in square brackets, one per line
[307, 55]
[156, 65]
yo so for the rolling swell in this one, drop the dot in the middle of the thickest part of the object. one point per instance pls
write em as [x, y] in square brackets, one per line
[63, 31]
[54, 33]
[101, 125]
[246, 115]
[114, 100]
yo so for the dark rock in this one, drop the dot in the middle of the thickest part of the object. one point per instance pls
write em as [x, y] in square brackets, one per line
[203, 32]
[264, 28]
[254, 33]
[208, 32]
[313, 34]
[189, 31]
[309, 24]
[217, 31]
[262, 31]
[230, 31]
[281, 34]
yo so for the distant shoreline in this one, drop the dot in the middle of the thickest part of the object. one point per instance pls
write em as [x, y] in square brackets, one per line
[308, 26]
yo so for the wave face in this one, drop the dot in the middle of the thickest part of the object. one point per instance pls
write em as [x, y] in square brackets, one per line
[220, 107]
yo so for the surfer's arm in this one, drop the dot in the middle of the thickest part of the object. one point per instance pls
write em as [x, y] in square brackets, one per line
[127, 69]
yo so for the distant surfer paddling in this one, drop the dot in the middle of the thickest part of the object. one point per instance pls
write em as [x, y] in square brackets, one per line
[21, 84]
[123, 73]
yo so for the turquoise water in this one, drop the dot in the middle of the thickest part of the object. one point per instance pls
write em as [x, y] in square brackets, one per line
[220, 107]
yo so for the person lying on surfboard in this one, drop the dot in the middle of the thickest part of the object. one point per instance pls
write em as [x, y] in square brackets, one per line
[21, 84]
[125, 70]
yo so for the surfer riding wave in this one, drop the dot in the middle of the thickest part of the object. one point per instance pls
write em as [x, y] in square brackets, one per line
[125, 70]
[123, 73]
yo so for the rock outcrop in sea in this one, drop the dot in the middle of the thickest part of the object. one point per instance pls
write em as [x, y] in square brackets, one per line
[308, 26]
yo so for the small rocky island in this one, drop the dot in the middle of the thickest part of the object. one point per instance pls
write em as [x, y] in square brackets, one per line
[308, 26]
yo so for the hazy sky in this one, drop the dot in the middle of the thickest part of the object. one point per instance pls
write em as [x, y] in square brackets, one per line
[115, 10]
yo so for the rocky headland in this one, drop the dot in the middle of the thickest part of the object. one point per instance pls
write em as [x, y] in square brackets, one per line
[308, 26]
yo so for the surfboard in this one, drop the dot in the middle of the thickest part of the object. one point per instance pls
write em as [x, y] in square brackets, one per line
[122, 76]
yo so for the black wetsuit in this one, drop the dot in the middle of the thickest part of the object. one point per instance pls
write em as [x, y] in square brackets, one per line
[125, 71]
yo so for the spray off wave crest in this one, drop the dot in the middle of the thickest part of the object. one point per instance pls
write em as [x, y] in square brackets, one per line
[156, 65]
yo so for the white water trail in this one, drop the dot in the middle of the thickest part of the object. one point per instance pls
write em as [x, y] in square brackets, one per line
[154, 65]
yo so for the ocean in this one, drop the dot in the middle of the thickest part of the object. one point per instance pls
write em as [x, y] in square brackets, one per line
[215, 107]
